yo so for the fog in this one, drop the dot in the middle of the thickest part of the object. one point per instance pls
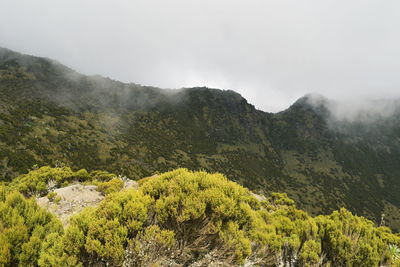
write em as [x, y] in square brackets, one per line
[272, 52]
[361, 110]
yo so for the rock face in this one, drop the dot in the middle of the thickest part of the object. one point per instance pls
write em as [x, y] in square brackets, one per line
[71, 200]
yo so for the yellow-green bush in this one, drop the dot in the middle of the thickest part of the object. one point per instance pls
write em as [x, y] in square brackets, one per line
[182, 216]
[39, 181]
[112, 186]
[23, 226]
[150, 246]
[351, 240]
[51, 196]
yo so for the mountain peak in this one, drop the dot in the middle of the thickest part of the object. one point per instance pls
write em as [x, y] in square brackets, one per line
[314, 103]
[312, 99]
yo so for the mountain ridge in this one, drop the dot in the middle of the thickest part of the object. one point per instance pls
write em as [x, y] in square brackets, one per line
[52, 115]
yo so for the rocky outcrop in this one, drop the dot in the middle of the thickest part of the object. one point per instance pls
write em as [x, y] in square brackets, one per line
[71, 200]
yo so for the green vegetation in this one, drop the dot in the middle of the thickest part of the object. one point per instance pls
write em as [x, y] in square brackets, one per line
[23, 227]
[40, 181]
[51, 115]
[112, 186]
[184, 217]
[51, 196]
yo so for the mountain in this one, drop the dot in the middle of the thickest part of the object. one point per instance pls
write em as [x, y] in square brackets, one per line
[52, 115]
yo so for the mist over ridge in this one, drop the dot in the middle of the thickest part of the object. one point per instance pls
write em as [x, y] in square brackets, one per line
[361, 109]
[63, 117]
[271, 53]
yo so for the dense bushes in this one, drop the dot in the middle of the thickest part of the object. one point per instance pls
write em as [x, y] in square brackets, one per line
[183, 217]
[112, 186]
[350, 240]
[40, 181]
[23, 226]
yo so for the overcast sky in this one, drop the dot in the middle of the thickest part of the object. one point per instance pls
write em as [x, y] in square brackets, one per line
[272, 52]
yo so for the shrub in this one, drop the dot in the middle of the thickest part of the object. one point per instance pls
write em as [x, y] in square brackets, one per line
[51, 196]
[111, 186]
[23, 227]
[185, 217]
[40, 181]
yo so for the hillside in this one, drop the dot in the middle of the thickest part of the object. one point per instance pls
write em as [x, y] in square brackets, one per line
[52, 115]
[178, 218]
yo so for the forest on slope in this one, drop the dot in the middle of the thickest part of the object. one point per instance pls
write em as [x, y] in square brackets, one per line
[179, 218]
[52, 115]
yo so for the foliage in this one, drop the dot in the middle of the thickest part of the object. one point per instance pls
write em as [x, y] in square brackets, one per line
[41, 181]
[150, 247]
[51, 115]
[112, 186]
[187, 217]
[394, 254]
[23, 227]
[51, 196]
[350, 240]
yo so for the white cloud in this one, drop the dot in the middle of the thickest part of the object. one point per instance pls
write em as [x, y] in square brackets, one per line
[271, 52]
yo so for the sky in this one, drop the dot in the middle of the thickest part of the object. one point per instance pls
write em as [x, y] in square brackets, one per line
[271, 52]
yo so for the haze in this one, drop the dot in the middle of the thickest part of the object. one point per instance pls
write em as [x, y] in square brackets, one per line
[272, 52]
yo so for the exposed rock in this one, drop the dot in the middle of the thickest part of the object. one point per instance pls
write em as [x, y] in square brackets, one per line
[71, 200]
[130, 184]
[259, 197]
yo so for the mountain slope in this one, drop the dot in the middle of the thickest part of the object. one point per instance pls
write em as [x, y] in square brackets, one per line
[51, 115]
